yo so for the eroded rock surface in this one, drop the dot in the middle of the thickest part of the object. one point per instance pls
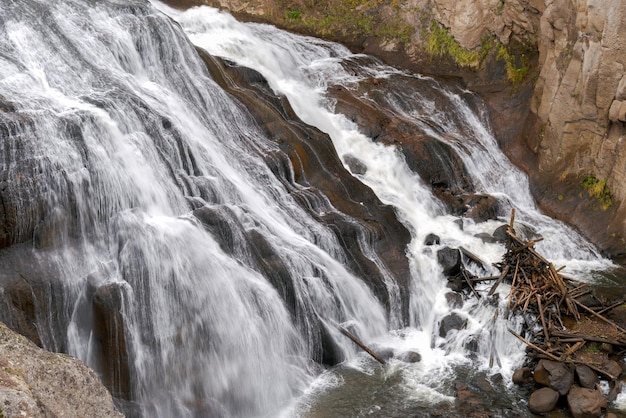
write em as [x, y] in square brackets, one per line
[37, 383]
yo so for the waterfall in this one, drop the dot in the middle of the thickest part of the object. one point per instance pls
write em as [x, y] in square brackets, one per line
[304, 69]
[165, 252]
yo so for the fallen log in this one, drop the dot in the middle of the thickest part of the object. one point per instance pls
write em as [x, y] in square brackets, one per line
[360, 344]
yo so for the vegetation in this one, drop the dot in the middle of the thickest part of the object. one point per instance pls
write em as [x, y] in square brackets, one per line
[598, 190]
[514, 73]
[440, 42]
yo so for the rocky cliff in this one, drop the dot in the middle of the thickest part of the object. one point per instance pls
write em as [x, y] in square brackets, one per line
[37, 383]
[552, 73]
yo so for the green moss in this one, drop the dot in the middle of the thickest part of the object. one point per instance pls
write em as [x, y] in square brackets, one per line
[293, 14]
[440, 43]
[598, 190]
[514, 73]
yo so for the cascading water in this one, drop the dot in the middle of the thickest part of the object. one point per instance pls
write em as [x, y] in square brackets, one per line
[142, 184]
[303, 69]
[112, 115]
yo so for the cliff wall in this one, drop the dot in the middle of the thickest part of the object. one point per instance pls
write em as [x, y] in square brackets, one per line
[552, 73]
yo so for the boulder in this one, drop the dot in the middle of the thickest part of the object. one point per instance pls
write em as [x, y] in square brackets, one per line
[554, 374]
[543, 400]
[38, 383]
[522, 376]
[500, 234]
[612, 367]
[432, 239]
[410, 357]
[451, 322]
[450, 260]
[585, 403]
[454, 299]
[586, 377]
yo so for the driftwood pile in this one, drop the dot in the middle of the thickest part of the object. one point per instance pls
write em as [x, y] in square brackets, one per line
[537, 288]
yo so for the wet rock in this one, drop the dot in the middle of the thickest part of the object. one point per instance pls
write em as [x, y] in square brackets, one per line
[410, 357]
[356, 213]
[472, 344]
[450, 260]
[522, 376]
[331, 353]
[500, 234]
[585, 403]
[586, 377]
[109, 331]
[483, 208]
[615, 388]
[543, 400]
[432, 239]
[485, 237]
[612, 367]
[355, 165]
[454, 299]
[37, 383]
[451, 322]
[555, 375]
[456, 284]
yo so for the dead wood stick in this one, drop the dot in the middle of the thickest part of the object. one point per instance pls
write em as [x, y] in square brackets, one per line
[469, 283]
[512, 218]
[533, 346]
[473, 257]
[527, 245]
[360, 344]
[608, 321]
[497, 283]
[543, 319]
[485, 279]
[572, 350]
[608, 308]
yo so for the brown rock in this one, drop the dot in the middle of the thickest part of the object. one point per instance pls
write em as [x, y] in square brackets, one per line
[585, 403]
[612, 367]
[555, 375]
[522, 376]
[543, 400]
[35, 382]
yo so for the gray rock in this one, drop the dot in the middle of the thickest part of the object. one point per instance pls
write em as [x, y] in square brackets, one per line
[587, 378]
[450, 260]
[451, 322]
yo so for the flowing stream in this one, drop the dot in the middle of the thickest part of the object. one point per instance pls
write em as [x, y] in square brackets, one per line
[116, 141]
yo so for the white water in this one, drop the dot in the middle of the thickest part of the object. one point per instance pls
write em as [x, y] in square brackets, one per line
[121, 128]
[302, 68]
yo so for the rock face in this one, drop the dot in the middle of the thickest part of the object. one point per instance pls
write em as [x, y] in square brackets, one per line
[579, 102]
[566, 129]
[37, 383]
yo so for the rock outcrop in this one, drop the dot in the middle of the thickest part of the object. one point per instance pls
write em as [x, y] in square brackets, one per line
[579, 103]
[37, 383]
[552, 72]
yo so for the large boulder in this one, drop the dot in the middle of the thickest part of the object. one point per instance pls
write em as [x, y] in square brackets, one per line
[554, 374]
[37, 383]
[543, 400]
[585, 403]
